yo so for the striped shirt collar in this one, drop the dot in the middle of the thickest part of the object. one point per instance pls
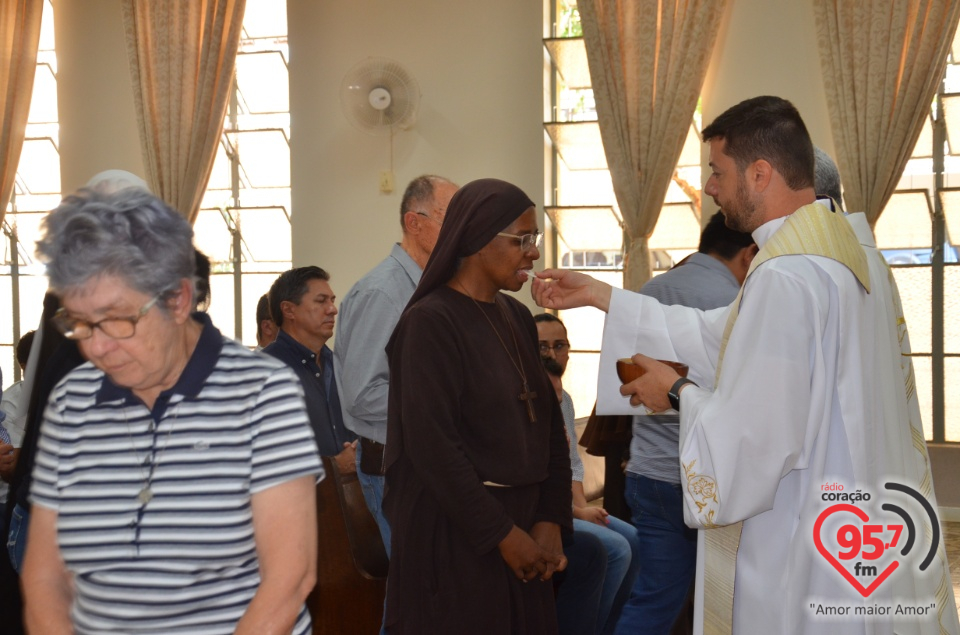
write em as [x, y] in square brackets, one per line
[194, 375]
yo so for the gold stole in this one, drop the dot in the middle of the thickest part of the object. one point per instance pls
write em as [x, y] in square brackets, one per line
[812, 230]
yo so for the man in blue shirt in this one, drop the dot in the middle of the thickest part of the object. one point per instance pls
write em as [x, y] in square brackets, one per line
[368, 316]
[707, 279]
[303, 306]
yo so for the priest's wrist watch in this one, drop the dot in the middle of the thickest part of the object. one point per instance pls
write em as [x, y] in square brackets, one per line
[674, 392]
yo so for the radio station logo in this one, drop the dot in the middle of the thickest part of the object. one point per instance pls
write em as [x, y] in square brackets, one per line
[867, 549]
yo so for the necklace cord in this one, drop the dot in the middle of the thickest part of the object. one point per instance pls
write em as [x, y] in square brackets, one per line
[145, 495]
[526, 394]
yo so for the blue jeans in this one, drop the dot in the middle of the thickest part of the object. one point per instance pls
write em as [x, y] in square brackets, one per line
[622, 546]
[17, 536]
[668, 553]
[372, 487]
[578, 594]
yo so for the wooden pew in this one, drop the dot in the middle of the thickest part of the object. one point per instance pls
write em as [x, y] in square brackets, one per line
[351, 560]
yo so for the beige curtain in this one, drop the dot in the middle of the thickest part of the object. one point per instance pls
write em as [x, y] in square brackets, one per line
[182, 55]
[647, 61]
[882, 62]
[19, 39]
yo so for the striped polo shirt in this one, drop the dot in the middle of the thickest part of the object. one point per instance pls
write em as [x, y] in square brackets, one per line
[183, 561]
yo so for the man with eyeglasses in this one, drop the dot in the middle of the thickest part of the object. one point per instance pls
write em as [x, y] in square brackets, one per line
[553, 338]
[368, 315]
[618, 538]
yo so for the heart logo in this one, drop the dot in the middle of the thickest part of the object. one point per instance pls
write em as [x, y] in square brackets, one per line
[852, 538]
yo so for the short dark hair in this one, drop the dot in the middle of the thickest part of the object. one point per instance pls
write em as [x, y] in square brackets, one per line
[768, 128]
[419, 192]
[23, 347]
[290, 287]
[263, 313]
[720, 240]
[549, 318]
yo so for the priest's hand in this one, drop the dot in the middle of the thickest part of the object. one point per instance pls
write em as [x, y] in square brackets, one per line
[347, 459]
[547, 535]
[652, 387]
[564, 289]
[525, 557]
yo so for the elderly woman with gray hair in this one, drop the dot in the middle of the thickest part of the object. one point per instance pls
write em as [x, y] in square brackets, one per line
[174, 482]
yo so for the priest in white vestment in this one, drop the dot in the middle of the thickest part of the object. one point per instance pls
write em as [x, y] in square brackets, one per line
[799, 388]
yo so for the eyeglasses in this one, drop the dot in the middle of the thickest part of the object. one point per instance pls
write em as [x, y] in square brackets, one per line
[556, 347]
[527, 241]
[118, 328]
[438, 221]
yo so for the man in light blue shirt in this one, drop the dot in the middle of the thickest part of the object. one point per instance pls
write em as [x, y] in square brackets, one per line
[707, 279]
[368, 315]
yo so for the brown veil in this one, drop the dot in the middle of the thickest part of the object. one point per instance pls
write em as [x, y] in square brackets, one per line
[476, 213]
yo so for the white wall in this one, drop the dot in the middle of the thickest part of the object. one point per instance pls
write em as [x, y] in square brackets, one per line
[767, 47]
[98, 120]
[479, 65]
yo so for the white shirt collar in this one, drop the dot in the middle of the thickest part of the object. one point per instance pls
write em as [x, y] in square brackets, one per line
[763, 233]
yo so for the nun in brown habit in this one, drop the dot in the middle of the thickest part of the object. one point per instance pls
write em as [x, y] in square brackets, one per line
[478, 474]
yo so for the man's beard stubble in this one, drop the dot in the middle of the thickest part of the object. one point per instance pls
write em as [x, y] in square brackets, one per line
[740, 215]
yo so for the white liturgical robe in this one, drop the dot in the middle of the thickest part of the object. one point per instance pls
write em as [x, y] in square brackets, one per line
[812, 394]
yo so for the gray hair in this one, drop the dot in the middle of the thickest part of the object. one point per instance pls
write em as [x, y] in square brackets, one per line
[826, 177]
[419, 192]
[130, 234]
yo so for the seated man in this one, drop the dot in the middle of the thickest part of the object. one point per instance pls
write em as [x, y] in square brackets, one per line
[592, 594]
[13, 414]
[13, 407]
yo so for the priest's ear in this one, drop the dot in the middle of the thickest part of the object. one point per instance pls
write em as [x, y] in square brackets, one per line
[759, 175]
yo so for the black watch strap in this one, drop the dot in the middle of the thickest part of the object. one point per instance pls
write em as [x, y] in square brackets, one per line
[674, 392]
